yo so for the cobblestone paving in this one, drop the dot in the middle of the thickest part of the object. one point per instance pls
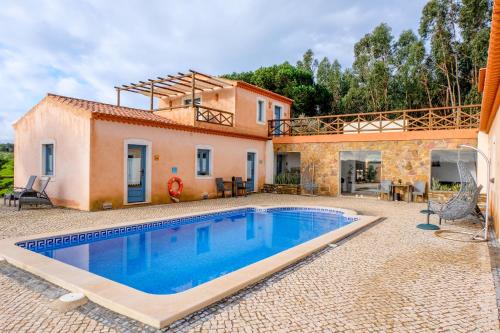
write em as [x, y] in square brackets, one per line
[391, 277]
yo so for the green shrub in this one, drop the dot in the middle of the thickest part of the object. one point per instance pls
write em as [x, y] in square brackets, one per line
[287, 178]
[436, 185]
[6, 172]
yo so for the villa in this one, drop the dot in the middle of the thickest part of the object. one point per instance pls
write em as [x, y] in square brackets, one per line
[333, 231]
[100, 154]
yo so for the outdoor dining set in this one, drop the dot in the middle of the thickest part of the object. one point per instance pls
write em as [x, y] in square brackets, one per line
[236, 186]
[395, 191]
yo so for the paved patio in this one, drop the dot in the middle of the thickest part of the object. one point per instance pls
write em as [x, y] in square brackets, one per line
[391, 277]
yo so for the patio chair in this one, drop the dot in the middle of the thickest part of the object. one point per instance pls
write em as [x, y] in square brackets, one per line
[36, 197]
[464, 203]
[240, 186]
[221, 188]
[418, 190]
[386, 188]
[16, 191]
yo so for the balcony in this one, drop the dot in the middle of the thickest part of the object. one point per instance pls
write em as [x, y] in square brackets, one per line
[197, 115]
[429, 119]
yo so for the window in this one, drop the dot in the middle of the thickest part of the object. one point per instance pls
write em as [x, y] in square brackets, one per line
[444, 170]
[261, 111]
[197, 101]
[203, 162]
[360, 172]
[48, 159]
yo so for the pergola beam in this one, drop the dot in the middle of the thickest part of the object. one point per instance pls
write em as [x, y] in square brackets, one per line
[173, 86]
[205, 81]
[221, 83]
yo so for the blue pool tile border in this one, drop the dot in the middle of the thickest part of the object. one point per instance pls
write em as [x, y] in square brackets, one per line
[56, 242]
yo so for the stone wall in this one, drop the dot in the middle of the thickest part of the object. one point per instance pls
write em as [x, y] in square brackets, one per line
[282, 188]
[408, 160]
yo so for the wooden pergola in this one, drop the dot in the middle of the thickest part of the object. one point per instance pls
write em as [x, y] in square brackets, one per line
[173, 86]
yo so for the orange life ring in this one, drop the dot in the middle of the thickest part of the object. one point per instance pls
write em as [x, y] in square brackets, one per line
[180, 186]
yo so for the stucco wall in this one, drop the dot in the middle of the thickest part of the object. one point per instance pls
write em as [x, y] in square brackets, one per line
[69, 130]
[173, 149]
[246, 115]
[405, 160]
[493, 149]
[241, 102]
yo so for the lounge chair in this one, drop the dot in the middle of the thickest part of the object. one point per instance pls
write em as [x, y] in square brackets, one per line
[36, 197]
[386, 188]
[240, 186]
[221, 188]
[16, 191]
[464, 203]
[418, 191]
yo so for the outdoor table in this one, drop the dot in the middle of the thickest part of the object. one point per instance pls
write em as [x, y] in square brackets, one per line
[406, 190]
[428, 225]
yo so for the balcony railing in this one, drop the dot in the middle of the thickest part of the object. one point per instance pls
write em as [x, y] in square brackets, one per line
[430, 119]
[214, 116]
[200, 113]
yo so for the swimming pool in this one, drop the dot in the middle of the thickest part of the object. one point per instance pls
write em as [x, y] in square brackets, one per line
[160, 271]
[172, 256]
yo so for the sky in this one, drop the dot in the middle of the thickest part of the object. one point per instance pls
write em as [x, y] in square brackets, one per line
[85, 48]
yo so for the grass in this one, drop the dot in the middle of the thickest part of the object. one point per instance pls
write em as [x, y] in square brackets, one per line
[7, 171]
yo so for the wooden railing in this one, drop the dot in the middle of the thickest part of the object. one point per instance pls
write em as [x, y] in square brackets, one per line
[205, 114]
[213, 116]
[430, 119]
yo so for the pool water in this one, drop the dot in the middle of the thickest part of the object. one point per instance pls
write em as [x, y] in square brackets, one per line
[180, 256]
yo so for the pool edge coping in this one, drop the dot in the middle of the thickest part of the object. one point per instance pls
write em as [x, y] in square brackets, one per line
[161, 310]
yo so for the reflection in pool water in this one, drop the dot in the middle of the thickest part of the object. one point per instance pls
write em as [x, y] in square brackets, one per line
[174, 259]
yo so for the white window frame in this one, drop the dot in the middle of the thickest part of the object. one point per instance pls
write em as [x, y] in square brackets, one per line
[149, 149]
[210, 161]
[256, 171]
[263, 122]
[42, 160]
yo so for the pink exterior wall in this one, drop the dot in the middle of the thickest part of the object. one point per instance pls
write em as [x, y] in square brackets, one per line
[246, 115]
[69, 130]
[174, 149]
[241, 102]
[494, 153]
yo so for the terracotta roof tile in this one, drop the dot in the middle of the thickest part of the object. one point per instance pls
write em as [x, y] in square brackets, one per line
[111, 110]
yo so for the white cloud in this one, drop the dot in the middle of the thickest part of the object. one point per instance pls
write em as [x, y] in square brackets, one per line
[85, 48]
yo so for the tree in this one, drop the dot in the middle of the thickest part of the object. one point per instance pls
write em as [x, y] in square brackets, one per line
[308, 62]
[439, 67]
[474, 22]
[296, 83]
[438, 25]
[408, 88]
[372, 58]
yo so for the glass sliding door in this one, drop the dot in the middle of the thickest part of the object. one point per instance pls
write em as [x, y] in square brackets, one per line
[360, 172]
[444, 170]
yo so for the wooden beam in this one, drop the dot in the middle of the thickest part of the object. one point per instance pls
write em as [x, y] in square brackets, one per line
[208, 82]
[224, 84]
[193, 87]
[117, 96]
[140, 89]
[166, 88]
[183, 84]
[151, 99]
